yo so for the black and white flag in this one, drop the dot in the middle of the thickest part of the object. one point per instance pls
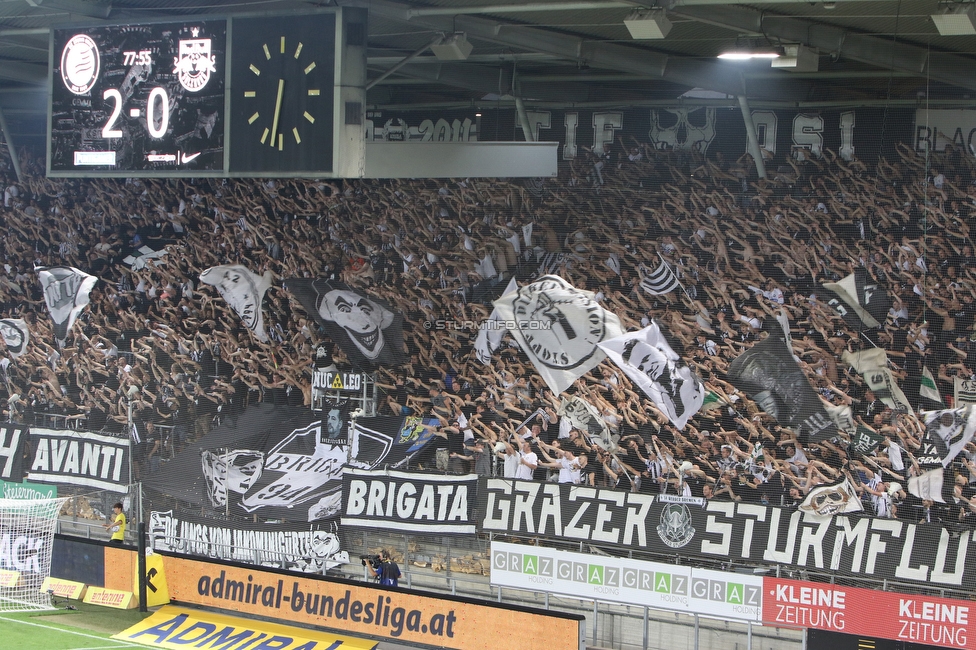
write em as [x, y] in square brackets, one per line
[559, 327]
[659, 281]
[15, 335]
[831, 499]
[584, 416]
[964, 391]
[768, 373]
[66, 291]
[367, 329]
[491, 332]
[649, 360]
[79, 458]
[861, 302]
[873, 366]
[244, 291]
[946, 433]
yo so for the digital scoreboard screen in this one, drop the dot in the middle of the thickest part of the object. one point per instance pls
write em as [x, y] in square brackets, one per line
[138, 98]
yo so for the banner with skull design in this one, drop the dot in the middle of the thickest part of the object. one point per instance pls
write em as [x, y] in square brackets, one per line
[15, 335]
[768, 374]
[66, 291]
[244, 291]
[559, 327]
[367, 329]
[649, 360]
[834, 498]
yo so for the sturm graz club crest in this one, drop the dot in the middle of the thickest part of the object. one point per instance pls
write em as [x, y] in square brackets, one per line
[675, 528]
[80, 64]
[195, 63]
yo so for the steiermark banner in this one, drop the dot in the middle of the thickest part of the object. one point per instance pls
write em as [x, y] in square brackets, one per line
[27, 490]
[715, 594]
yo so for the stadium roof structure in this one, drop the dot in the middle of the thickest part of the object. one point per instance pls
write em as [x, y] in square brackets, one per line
[562, 53]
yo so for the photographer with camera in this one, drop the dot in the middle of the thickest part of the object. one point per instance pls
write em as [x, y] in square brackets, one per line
[383, 568]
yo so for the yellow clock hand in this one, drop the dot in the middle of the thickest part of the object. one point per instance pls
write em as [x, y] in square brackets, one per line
[274, 125]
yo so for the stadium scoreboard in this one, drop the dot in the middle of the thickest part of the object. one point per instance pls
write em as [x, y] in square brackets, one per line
[236, 96]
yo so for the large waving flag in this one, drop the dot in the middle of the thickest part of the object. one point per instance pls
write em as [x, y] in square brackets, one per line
[768, 373]
[559, 327]
[860, 302]
[244, 291]
[649, 360]
[66, 291]
[873, 366]
[367, 329]
[946, 433]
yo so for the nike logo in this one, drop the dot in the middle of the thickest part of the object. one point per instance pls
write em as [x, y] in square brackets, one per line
[185, 158]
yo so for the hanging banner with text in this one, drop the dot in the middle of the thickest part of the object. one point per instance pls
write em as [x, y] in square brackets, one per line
[887, 615]
[416, 502]
[684, 589]
[309, 548]
[79, 458]
[743, 533]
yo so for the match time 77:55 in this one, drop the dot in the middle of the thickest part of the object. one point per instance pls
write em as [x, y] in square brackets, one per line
[142, 57]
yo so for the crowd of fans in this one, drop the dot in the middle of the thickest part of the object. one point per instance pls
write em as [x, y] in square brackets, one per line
[157, 341]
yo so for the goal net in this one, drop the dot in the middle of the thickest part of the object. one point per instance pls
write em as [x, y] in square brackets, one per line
[26, 544]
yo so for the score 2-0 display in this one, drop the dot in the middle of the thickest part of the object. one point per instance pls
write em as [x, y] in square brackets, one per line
[139, 98]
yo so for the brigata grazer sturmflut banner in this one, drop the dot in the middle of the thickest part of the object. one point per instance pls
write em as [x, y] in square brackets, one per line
[743, 533]
[414, 502]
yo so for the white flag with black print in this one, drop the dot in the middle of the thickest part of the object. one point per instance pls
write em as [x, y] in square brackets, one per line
[649, 360]
[559, 328]
[947, 432]
[928, 485]
[66, 291]
[873, 366]
[659, 281]
[587, 418]
[15, 335]
[831, 499]
[964, 391]
[244, 292]
[490, 335]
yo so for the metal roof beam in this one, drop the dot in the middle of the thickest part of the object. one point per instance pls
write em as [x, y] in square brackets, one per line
[717, 76]
[951, 69]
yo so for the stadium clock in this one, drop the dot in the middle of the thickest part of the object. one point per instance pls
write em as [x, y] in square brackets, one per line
[138, 98]
[283, 97]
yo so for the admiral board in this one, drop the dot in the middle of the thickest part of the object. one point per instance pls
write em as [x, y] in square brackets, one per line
[209, 96]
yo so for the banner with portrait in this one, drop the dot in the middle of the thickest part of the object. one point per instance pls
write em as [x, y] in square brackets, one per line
[369, 330]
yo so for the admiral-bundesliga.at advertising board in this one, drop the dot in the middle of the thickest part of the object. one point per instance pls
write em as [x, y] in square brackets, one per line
[741, 533]
[403, 616]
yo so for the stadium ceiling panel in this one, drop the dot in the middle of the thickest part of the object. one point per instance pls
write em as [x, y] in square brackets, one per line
[572, 52]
